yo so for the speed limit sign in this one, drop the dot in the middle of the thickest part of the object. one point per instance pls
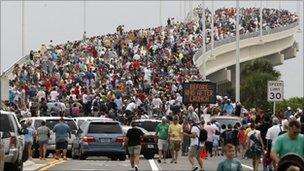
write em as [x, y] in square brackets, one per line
[275, 91]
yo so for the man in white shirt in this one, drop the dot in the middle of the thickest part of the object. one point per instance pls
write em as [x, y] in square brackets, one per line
[273, 132]
[54, 95]
[195, 146]
[157, 102]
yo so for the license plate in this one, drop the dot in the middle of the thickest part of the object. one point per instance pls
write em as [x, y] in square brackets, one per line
[150, 146]
[107, 140]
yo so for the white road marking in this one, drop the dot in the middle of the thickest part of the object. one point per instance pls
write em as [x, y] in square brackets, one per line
[153, 165]
[248, 167]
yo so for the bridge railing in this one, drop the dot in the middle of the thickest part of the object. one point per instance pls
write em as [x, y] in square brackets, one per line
[242, 37]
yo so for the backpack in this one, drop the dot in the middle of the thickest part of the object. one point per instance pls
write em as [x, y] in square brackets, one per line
[228, 137]
[203, 135]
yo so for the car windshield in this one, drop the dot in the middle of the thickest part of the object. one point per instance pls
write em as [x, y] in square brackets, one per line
[148, 125]
[227, 121]
[5, 124]
[52, 122]
[105, 128]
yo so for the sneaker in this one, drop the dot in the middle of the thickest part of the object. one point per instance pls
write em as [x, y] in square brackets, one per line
[64, 158]
[158, 160]
[172, 161]
[194, 168]
[175, 162]
[136, 168]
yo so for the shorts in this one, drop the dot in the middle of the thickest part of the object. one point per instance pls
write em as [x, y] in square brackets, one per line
[61, 145]
[28, 143]
[44, 142]
[134, 150]
[175, 145]
[162, 144]
[195, 151]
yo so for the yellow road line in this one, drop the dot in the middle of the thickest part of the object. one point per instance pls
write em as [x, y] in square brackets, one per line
[52, 164]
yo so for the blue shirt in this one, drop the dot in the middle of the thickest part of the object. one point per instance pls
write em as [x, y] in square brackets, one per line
[61, 131]
[228, 108]
[28, 137]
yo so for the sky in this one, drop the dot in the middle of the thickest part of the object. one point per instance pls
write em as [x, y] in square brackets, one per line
[61, 21]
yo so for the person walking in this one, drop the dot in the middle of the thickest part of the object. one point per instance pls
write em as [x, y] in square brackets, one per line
[162, 131]
[29, 138]
[209, 143]
[176, 135]
[290, 142]
[255, 146]
[43, 136]
[196, 145]
[62, 135]
[132, 141]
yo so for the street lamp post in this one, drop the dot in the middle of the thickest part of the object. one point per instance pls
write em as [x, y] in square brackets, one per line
[204, 40]
[237, 65]
[23, 28]
[261, 21]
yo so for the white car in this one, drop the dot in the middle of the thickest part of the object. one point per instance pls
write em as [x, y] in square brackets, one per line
[80, 120]
[50, 123]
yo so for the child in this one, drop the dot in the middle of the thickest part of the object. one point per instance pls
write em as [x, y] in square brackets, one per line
[216, 142]
[230, 164]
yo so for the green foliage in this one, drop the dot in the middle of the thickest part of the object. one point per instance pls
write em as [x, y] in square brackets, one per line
[294, 103]
[254, 77]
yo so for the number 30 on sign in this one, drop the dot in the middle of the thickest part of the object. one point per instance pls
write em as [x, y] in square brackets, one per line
[275, 91]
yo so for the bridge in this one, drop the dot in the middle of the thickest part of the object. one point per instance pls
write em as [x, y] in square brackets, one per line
[276, 45]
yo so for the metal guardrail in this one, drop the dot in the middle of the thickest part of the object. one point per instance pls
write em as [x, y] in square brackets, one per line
[19, 62]
[242, 37]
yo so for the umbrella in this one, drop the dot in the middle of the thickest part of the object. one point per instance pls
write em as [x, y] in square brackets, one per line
[136, 57]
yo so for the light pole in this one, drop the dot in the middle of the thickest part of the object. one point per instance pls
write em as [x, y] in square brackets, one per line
[84, 19]
[261, 21]
[212, 29]
[204, 40]
[160, 13]
[23, 28]
[237, 65]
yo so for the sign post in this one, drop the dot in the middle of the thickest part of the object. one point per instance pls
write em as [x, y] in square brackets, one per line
[199, 92]
[275, 92]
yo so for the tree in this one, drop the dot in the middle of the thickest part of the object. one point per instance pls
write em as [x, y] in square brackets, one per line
[293, 103]
[254, 77]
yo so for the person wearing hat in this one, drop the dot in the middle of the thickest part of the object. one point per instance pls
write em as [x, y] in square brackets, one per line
[163, 135]
[290, 142]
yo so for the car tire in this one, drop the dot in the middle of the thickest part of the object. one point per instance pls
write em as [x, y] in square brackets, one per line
[122, 157]
[149, 155]
[17, 166]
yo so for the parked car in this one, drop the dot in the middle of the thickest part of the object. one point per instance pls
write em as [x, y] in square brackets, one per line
[50, 123]
[2, 154]
[102, 137]
[80, 120]
[150, 125]
[148, 143]
[13, 141]
[226, 120]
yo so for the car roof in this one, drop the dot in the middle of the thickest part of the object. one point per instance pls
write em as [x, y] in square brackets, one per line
[7, 112]
[225, 117]
[88, 118]
[47, 118]
[102, 121]
[151, 120]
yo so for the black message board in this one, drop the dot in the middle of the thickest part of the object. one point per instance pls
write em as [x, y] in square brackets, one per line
[199, 92]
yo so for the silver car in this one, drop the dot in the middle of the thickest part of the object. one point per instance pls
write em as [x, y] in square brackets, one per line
[50, 123]
[13, 141]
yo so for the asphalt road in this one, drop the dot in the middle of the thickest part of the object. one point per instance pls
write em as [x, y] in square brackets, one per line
[101, 163]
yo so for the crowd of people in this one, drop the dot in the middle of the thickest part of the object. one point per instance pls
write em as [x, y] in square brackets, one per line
[139, 74]
[131, 73]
